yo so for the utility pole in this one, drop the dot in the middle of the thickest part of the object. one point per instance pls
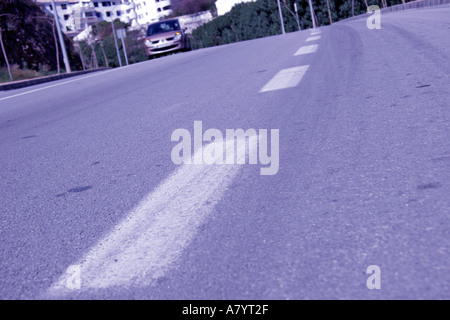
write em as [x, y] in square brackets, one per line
[329, 11]
[61, 39]
[281, 17]
[312, 14]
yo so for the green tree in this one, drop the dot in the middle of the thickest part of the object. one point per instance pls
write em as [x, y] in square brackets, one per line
[101, 45]
[28, 37]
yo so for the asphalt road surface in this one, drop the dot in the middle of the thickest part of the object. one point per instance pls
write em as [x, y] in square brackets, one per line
[93, 207]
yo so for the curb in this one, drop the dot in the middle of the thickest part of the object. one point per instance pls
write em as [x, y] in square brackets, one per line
[31, 82]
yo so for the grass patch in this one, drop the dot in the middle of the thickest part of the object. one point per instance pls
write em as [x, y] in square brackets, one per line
[23, 73]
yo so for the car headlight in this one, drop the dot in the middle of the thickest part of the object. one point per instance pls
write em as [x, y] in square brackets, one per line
[148, 42]
[177, 36]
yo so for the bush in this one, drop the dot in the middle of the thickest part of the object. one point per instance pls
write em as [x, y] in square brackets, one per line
[17, 73]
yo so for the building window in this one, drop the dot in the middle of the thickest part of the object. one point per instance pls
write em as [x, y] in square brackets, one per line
[96, 4]
[98, 14]
[64, 6]
[68, 28]
[108, 13]
[167, 8]
[50, 7]
[106, 3]
[118, 13]
[66, 17]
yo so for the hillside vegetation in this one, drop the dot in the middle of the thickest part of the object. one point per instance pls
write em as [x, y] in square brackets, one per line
[261, 18]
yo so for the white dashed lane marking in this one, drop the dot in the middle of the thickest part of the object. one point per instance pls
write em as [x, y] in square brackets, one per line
[313, 38]
[286, 78]
[306, 49]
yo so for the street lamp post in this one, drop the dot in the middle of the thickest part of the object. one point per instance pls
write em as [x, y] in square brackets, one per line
[296, 16]
[5, 56]
[312, 14]
[61, 39]
[122, 36]
[281, 17]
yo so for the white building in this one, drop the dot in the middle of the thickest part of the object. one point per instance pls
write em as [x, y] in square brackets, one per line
[148, 11]
[77, 15]
[192, 21]
[225, 6]
[64, 10]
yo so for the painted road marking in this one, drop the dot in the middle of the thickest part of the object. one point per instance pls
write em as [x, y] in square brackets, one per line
[147, 243]
[313, 33]
[286, 78]
[306, 49]
[314, 38]
[77, 78]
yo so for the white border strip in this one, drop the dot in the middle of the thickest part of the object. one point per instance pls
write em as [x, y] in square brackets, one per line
[147, 243]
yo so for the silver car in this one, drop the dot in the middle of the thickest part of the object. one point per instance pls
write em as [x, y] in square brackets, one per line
[165, 36]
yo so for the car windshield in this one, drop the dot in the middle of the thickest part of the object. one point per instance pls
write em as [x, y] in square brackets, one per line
[162, 27]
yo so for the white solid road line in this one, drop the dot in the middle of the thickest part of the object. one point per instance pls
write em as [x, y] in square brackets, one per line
[286, 78]
[147, 243]
[77, 78]
[314, 38]
[306, 50]
[314, 33]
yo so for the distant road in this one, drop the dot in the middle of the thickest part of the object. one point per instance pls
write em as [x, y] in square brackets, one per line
[87, 179]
